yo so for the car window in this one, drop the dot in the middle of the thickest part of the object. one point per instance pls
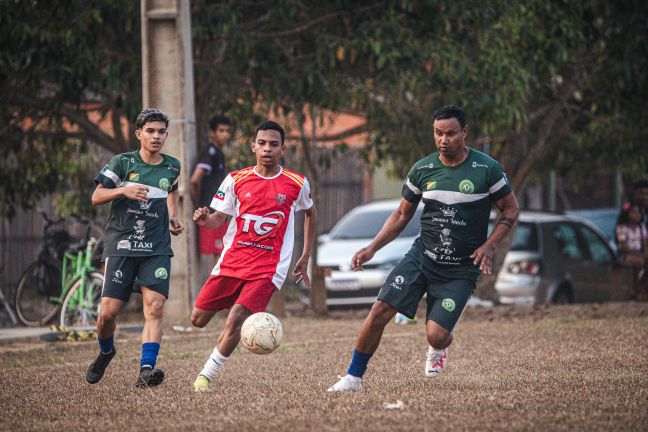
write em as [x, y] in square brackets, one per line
[366, 224]
[567, 241]
[599, 252]
[525, 237]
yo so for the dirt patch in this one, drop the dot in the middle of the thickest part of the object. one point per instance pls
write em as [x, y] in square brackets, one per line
[560, 368]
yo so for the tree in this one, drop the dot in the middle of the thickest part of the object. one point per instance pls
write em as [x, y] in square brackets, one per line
[70, 77]
[545, 84]
[533, 76]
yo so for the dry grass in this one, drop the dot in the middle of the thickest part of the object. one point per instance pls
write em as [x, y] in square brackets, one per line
[561, 368]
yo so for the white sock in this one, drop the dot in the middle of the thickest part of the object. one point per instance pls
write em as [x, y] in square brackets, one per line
[433, 350]
[215, 363]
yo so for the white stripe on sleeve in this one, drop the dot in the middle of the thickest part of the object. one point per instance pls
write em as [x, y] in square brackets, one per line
[413, 188]
[497, 186]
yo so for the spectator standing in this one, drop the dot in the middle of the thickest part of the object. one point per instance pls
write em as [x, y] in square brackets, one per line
[207, 175]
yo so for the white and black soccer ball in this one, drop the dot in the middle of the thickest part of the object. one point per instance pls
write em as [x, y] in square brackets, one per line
[261, 333]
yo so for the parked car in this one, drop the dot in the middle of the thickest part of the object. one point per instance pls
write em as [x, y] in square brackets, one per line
[559, 259]
[352, 232]
[553, 258]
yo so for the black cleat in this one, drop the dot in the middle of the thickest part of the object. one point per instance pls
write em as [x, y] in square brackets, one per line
[149, 377]
[98, 367]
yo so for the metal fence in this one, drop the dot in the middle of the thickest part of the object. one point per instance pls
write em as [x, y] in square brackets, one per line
[20, 242]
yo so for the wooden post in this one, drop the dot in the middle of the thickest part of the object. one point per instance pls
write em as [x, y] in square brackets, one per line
[167, 84]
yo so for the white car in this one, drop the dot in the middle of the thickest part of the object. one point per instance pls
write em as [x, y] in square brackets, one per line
[553, 258]
[354, 231]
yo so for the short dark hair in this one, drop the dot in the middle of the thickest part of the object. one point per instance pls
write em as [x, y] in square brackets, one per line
[448, 112]
[270, 125]
[151, 115]
[220, 119]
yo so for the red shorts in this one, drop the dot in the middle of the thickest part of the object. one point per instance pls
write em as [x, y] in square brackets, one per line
[211, 240]
[222, 292]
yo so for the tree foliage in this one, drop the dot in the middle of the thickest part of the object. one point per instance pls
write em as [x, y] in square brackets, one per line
[66, 67]
[546, 84]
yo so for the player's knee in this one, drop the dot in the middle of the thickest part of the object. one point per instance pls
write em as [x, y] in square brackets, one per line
[108, 314]
[154, 309]
[198, 319]
[439, 338]
[235, 321]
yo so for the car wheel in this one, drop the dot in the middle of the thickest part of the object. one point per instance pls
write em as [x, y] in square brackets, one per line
[563, 296]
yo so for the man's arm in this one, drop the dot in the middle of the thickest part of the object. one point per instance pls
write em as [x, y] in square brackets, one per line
[102, 195]
[203, 217]
[173, 203]
[509, 212]
[394, 225]
[195, 184]
[300, 272]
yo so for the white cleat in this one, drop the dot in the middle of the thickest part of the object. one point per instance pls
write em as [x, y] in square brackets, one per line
[435, 362]
[347, 383]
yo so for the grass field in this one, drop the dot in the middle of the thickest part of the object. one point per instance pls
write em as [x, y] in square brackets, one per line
[559, 368]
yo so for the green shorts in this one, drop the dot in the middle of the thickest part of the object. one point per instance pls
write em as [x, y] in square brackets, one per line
[124, 275]
[407, 283]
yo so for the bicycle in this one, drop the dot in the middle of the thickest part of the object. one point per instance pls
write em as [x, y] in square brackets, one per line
[45, 285]
[82, 301]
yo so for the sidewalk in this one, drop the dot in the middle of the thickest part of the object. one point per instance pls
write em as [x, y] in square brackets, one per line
[16, 334]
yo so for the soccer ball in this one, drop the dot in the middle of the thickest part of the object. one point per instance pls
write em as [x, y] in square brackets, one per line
[261, 333]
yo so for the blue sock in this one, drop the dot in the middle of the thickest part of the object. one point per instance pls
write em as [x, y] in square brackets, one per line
[359, 363]
[150, 352]
[106, 345]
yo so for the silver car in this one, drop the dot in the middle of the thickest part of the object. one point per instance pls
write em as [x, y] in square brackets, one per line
[553, 258]
[354, 231]
[560, 259]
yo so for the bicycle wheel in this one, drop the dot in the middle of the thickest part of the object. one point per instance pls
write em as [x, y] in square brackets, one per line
[37, 296]
[81, 305]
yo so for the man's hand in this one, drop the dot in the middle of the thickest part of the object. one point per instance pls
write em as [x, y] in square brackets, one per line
[175, 226]
[200, 216]
[483, 257]
[300, 272]
[362, 256]
[136, 192]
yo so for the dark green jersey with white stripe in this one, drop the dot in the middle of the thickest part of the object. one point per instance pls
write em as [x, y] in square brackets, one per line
[457, 203]
[137, 228]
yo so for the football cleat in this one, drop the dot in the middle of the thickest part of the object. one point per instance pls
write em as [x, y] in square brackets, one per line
[149, 377]
[98, 367]
[435, 362]
[201, 384]
[347, 383]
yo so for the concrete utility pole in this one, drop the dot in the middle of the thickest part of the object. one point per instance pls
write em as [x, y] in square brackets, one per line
[167, 84]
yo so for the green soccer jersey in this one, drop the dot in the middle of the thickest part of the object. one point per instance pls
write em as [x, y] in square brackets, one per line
[457, 203]
[137, 228]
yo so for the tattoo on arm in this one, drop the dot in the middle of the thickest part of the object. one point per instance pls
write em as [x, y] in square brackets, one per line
[505, 221]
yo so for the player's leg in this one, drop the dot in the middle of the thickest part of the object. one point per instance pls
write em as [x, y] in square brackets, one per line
[446, 302]
[250, 297]
[368, 340]
[153, 281]
[217, 293]
[200, 318]
[115, 292]
[401, 293]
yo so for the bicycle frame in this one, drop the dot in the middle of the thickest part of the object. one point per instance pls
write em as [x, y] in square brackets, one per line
[39, 295]
[76, 267]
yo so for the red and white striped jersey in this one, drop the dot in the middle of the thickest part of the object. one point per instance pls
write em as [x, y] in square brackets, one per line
[260, 236]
